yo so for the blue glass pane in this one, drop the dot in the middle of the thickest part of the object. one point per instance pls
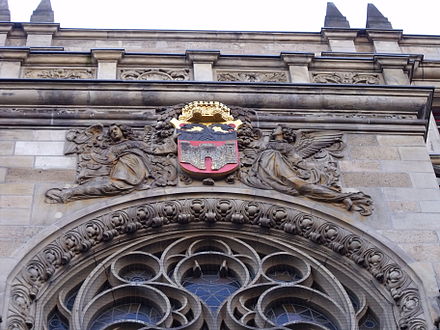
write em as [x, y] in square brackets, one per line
[284, 313]
[56, 323]
[212, 288]
[70, 298]
[140, 312]
[369, 322]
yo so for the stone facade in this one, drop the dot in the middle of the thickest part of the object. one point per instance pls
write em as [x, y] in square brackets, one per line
[376, 87]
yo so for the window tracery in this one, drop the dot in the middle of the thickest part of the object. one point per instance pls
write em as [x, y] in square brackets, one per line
[213, 282]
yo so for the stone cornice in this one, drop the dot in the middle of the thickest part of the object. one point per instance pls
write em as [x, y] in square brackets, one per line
[40, 28]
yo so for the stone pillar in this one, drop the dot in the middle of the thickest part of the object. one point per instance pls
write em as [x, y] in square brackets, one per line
[107, 60]
[298, 64]
[10, 65]
[5, 27]
[40, 35]
[394, 69]
[385, 41]
[340, 40]
[202, 62]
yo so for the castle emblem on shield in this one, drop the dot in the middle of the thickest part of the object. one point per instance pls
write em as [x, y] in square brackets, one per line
[207, 139]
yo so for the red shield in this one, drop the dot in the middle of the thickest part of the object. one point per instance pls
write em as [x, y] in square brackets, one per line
[208, 151]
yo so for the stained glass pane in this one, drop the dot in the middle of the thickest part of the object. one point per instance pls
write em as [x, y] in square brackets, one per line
[211, 287]
[285, 312]
[55, 322]
[283, 273]
[140, 312]
[368, 322]
[137, 273]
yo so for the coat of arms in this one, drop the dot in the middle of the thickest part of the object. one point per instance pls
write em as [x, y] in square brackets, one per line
[207, 139]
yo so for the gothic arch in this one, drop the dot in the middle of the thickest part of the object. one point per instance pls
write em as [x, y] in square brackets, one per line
[321, 235]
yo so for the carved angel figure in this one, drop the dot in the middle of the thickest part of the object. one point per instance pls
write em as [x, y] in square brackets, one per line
[290, 162]
[117, 161]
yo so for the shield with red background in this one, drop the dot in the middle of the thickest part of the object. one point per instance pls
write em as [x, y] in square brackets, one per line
[207, 140]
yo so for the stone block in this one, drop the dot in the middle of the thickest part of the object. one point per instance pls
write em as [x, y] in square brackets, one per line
[11, 201]
[411, 236]
[415, 221]
[18, 233]
[407, 166]
[361, 140]
[422, 252]
[39, 148]
[16, 161]
[6, 148]
[400, 140]
[351, 179]
[430, 206]
[424, 180]
[40, 175]
[16, 188]
[11, 216]
[10, 69]
[374, 153]
[408, 194]
[49, 135]
[48, 162]
[414, 153]
[8, 247]
[14, 135]
[359, 166]
[3, 174]
[407, 206]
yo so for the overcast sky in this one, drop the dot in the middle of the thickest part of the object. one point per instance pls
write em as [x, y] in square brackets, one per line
[413, 16]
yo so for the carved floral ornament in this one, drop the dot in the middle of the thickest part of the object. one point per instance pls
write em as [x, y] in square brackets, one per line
[207, 141]
[238, 215]
[346, 78]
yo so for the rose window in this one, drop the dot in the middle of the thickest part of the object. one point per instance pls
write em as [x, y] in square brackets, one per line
[223, 281]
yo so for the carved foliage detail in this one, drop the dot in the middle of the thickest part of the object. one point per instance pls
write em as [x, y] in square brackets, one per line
[252, 76]
[346, 78]
[154, 74]
[123, 224]
[60, 74]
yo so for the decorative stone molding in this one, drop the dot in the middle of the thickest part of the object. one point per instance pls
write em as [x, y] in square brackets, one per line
[255, 76]
[154, 74]
[346, 78]
[61, 73]
[171, 213]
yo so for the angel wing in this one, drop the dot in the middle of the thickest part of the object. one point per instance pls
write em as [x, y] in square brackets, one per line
[308, 144]
[77, 140]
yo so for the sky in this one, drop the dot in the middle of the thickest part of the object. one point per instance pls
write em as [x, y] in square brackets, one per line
[413, 16]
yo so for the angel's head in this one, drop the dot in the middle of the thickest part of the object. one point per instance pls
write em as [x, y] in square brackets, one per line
[119, 132]
[278, 134]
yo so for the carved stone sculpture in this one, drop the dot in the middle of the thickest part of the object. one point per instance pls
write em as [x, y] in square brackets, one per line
[252, 76]
[155, 74]
[346, 78]
[60, 74]
[118, 161]
[298, 163]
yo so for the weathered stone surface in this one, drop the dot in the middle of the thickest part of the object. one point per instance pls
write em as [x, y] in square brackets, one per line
[6, 148]
[16, 188]
[10, 201]
[422, 252]
[359, 166]
[411, 236]
[408, 194]
[400, 140]
[14, 216]
[376, 180]
[407, 166]
[39, 148]
[43, 13]
[49, 135]
[3, 174]
[8, 247]
[16, 161]
[334, 18]
[53, 162]
[361, 140]
[39, 175]
[415, 221]
[16, 134]
[374, 153]
[18, 233]
[375, 19]
[402, 207]
[430, 206]
[424, 180]
[413, 153]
